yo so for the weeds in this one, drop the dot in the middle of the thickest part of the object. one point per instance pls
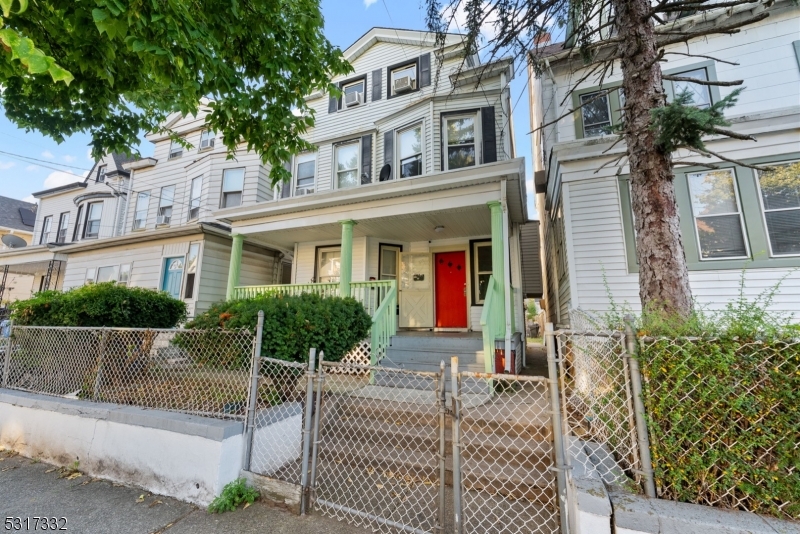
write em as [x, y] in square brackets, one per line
[233, 494]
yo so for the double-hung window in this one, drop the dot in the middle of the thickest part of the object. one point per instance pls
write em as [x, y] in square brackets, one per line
[47, 225]
[329, 264]
[596, 114]
[232, 187]
[481, 269]
[194, 197]
[108, 274]
[175, 150]
[701, 94]
[63, 223]
[207, 140]
[460, 137]
[404, 79]
[93, 214]
[305, 167]
[409, 144]
[142, 207]
[76, 233]
[717, 215]
[124, 274]
[191, 270]
[101, 173]
[780, 200]
[347, 165]
[91, 273]
[165, 203]
[353, 94]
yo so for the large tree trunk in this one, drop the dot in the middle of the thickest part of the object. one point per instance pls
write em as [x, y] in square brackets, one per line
[663, 275]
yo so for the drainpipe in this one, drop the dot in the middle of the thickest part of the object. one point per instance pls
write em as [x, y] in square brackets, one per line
[507, 272]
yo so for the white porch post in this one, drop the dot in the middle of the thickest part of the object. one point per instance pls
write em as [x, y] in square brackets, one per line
[346, 265]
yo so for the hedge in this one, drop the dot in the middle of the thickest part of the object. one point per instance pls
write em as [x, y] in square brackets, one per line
[104, 304]
[292, 325]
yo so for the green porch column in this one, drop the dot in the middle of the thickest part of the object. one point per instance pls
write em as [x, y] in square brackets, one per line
[346, 273]
[235, 266]
[496, 209]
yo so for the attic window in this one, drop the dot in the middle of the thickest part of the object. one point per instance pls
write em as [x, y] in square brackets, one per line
[101, 173]
[175, 150]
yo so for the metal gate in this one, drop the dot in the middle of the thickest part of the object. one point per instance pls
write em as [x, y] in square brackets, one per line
[395, 450]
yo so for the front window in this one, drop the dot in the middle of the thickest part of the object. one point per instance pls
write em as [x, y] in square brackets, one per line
[101, 173]
[142, 206]
[389, 262]
[460, 142]
[701, 96]
[191, 269]
[124, 274]
[353, 94]
[329, 264]
[63, 223]
[91, 272]
[404, 79]
[347, 163]
[165, 204]
[46, 227]
[481, 269]
[595, 114]
[410, 151]
[717, 215]
[206, 139]
[108, 274]
[175, 150]
[93, 214]
[194, 198]
[77, 231]
[304, 172]
[780, 199]
[232, 186]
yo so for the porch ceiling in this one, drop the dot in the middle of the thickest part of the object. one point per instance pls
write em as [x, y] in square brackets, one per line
[462, 222]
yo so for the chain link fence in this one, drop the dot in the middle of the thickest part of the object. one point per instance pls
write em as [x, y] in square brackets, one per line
[506, 455]
[199, 372]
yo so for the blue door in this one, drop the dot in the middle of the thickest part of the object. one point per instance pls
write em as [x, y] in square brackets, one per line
[173, 274]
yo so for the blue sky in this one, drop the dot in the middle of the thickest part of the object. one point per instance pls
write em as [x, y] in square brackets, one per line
[49, 164]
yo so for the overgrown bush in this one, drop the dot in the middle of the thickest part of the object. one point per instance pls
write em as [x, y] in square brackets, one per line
[105, 304]
[292, 325]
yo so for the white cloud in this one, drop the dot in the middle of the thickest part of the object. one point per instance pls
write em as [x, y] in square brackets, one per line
[89, 154]
[368, 3]
[31, 168]
[30, 198]
[69, 159]
[47, 154]
[6, 165]
[59, 178]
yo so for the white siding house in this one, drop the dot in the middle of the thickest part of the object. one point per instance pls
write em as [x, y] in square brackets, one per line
[587, 223]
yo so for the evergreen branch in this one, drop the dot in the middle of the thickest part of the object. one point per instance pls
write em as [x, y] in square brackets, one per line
[701, 55]
[733, 27]
[696, 6]
[708, 153]
[734, 135]
[700, 82]
[695, 164]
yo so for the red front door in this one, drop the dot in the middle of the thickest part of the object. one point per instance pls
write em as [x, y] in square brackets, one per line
[451, 290]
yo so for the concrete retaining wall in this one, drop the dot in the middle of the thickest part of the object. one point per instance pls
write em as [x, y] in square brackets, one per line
[187, 457]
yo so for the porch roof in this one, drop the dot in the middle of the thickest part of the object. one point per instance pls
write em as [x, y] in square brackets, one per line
[28, 260]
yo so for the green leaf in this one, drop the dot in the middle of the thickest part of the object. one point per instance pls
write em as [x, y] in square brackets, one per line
[5, 5]
[98, 15]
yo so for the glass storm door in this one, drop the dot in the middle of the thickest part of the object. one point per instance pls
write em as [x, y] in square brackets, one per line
[173, 274]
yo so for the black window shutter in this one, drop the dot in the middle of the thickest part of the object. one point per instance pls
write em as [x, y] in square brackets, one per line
[366, 159]
[286, 187]
[425, 70]
[377, 80]
[489, 136]
[388, 152]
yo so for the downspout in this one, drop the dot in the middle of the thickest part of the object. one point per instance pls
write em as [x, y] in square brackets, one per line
[507, 272]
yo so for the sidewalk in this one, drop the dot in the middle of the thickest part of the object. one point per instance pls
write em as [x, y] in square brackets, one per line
[34, 489]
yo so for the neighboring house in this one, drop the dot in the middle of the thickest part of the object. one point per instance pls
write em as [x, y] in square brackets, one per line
[413, 182]
[16, 219]
[732, 219]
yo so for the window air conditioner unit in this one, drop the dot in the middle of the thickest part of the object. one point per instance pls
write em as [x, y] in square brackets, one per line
[300, 191]
[353, 99]
[207, 143]
[162, 219]
[403, 84]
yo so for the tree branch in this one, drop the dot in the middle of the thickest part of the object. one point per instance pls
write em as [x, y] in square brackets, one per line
[695, 164]
[698, 81]
[728, 28]
[701, 55]
[708, 153]
[696, 6]
[734, 135]
[571, 111]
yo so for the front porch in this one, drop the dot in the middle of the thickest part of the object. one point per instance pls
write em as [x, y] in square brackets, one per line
[26, 271]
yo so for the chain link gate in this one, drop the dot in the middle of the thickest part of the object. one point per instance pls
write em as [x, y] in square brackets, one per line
[391, 450]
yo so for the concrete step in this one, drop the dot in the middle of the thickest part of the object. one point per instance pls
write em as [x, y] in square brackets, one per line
[442, 341]
[414, 356]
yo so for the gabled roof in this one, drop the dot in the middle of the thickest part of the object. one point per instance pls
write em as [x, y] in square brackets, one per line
[17, 214]
[60, 189]
[379, 34]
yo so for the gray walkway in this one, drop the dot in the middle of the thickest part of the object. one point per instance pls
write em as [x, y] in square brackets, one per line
[91, 506]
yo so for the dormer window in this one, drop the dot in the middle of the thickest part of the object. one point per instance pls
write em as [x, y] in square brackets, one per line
[207, 140]
[101, 173]
[353, 94]
[403, 79]
[175, 150]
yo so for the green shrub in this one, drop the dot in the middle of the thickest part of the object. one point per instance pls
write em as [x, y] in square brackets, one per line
[105, 304]
[292, 325]
[233, 494]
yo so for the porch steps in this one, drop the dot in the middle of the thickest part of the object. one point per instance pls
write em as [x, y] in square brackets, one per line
[401, 441]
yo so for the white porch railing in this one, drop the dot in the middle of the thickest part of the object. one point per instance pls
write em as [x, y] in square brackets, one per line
[371, 294]
[384, 324]
[324, 290]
